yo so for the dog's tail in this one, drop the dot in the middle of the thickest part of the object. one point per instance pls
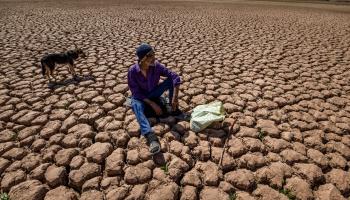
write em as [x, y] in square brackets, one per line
[43, 68]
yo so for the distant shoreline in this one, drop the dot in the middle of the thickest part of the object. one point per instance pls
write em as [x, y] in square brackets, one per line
[330, 5]
[332, 2]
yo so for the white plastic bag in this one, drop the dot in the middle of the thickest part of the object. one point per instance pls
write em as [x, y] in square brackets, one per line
[203, 115]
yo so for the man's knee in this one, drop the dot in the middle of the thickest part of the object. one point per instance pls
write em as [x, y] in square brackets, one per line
[168, 82]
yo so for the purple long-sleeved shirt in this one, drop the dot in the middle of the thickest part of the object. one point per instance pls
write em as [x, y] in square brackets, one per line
[141, 86]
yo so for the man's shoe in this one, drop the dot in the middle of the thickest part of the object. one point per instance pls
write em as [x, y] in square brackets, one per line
[154, 146]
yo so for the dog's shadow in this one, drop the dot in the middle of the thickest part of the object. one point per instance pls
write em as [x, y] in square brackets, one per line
[76, 80]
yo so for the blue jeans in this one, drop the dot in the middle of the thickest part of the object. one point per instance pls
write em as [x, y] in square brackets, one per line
[138, 106]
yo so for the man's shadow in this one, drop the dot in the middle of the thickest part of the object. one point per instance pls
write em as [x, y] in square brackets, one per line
[75, 80]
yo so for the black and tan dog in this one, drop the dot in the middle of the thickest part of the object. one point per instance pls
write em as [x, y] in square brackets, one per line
[49, 61]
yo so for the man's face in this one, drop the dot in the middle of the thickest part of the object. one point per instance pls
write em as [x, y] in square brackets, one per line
[149, 58]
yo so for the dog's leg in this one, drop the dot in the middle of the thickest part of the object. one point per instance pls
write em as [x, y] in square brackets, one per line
[49, 78]
[72, 71]
[47, 73]
[52, 75]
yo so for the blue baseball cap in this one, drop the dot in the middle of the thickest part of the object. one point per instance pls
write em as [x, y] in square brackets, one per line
[143, 50]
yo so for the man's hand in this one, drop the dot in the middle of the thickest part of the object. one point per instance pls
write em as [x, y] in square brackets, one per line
[157, 109]
[154, 106]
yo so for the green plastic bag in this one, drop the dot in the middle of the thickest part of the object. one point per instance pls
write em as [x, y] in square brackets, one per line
[203, 115]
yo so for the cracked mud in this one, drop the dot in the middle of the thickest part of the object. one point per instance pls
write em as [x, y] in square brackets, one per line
[282, 72]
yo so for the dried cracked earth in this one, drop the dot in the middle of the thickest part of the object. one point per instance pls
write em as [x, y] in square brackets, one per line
[282, 72]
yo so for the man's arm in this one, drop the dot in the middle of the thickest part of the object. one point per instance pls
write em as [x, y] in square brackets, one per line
[175, 101]
[170, 74]
[134, 88]
[176, 91]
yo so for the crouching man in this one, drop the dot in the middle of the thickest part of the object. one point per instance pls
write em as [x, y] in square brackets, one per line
[143, 81]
